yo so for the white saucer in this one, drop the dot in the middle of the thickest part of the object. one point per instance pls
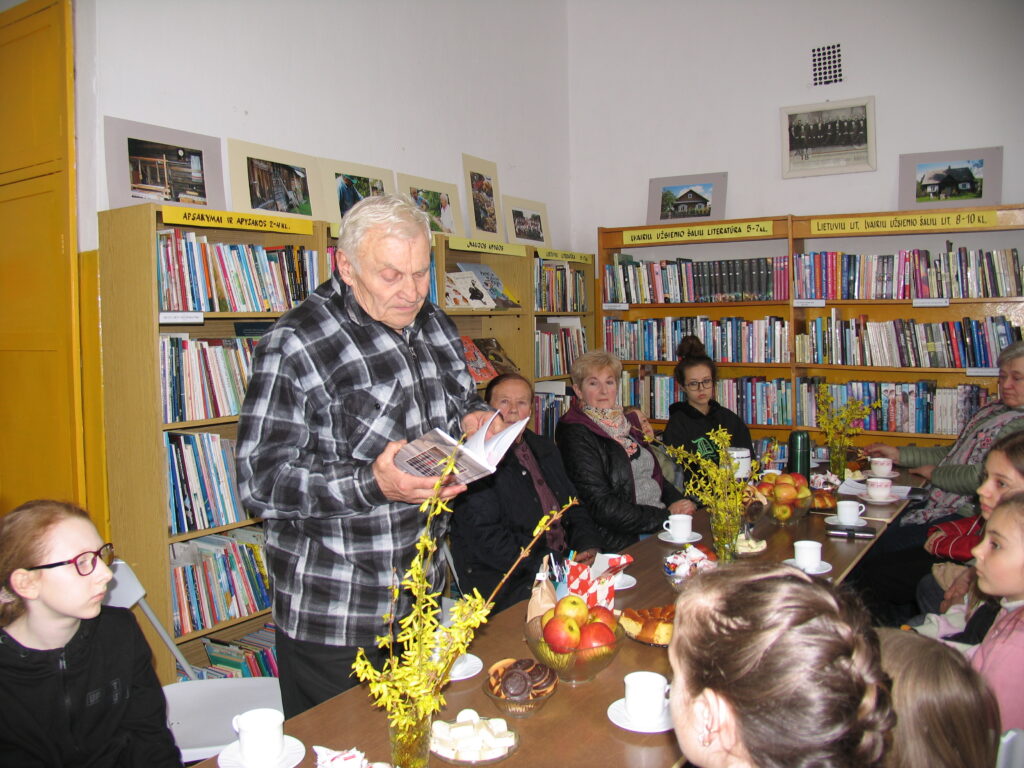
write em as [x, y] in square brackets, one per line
[291, 755]
[624, 581]
[618, 715]
[823, 567]
[834, 520]
[667, 537]
[869, 500]
[888, 475]
[466, 666]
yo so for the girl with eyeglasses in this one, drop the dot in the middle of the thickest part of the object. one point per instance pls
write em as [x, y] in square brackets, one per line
[690, 420]
[76, 677]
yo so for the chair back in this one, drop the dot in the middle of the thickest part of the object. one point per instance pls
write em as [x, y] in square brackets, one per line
[126, 591]
[1011, 749]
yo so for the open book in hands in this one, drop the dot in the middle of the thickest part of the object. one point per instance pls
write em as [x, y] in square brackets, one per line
[477, 457]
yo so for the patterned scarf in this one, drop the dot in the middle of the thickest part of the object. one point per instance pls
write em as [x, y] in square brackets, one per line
[614, 422]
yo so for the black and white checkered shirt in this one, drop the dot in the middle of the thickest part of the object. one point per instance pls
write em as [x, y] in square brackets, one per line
[330, 387]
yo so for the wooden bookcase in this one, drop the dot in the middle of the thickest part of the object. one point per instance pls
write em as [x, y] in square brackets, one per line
[578, 263]
[989, 227]
[133, 423]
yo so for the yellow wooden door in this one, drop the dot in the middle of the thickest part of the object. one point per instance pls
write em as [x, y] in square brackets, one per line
[40, 379]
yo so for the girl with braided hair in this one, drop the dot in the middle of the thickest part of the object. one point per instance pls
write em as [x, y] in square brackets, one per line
[775, 669]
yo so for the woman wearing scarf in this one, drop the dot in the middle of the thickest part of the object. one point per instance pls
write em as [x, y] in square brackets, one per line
[605, 456]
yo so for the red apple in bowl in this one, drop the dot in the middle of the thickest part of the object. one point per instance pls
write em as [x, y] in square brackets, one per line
[603, 615]
[573, 607]
[562, 634]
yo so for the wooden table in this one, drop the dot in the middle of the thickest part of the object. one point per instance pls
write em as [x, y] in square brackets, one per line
[573, 727]
[884, 513]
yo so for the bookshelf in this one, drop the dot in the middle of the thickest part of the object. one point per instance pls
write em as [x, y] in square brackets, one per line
[805, 318]
[131, 326]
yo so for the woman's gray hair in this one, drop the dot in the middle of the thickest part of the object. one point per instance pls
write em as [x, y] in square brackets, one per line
[1010, 352]
[395, 215]
[592, 362]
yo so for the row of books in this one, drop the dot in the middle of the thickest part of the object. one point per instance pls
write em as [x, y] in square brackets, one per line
[905, 343]
[216, 578]
[728, 339]
[548, 408]
[756, 399]
[920, 407]
[629, 281]
[909, 274]
[556, 347]
[195, 275]
[558, 287]
[203, 378]
[252, 655]
[202, 482]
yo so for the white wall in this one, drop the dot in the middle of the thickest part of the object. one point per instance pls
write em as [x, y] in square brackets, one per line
[665, 88]
[579, 102]
[401, 84]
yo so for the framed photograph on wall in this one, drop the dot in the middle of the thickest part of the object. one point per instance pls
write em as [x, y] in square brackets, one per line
[678, 198]
[153, 164]
[272, 180]
[956, 178]
[832, 137]
[526, 221]
[484, 198]
[439, 199]
[342, 185]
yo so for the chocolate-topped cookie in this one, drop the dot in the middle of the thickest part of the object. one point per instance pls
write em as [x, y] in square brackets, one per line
[515, 685]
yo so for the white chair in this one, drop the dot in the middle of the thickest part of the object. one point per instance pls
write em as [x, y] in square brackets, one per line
[199, 712]
[1011, 749]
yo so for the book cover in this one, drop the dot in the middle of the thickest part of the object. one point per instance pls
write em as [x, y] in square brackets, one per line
[494, 352]
[492, 284]
[480, 368]
[471, 290]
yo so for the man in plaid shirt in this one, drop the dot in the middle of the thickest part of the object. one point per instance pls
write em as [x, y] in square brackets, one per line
[338, 386]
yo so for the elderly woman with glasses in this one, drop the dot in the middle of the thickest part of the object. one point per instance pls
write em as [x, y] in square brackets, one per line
[690, 421]
[607, 459]
[76, 676]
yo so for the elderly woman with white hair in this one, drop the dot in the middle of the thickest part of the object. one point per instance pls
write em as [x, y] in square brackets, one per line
[605, 456]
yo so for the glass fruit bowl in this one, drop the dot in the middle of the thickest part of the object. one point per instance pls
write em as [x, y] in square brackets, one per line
[574, 667]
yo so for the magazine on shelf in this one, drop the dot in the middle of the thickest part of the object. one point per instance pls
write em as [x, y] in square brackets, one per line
[464, 291]
[494, 352]
[480, 367]
[490, 280]
[477, 457]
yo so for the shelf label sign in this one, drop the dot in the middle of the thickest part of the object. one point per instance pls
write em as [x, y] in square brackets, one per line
[582, 258]
[181, 318]
[930, 302]
[717, 231]
[200, 217]
[808, 302]
[614, 306]
[485, 246]
[904, 222]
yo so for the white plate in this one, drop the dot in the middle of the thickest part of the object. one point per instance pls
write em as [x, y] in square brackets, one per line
[291, 755]
[624, 581]
[617, 714]
[834, 520]
[466, 666]
[823, 567]
[869, 500]
[888, 475]
[667, 537]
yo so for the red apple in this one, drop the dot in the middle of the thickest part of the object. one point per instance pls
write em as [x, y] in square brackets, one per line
[785, 493]
[562, 634]
[604, 615]
[765, 488]
[799, 480]
[596, 640]
[573, 607]
[784, 479]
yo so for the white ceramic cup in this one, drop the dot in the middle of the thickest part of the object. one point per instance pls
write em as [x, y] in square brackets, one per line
[741, 456]
[807, 555]
[881, 465]
[260, 737]
[849, 512]
[646, 696]
[879, 488]
[679, 527]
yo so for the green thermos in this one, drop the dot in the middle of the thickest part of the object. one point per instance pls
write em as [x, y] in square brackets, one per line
[800, 452]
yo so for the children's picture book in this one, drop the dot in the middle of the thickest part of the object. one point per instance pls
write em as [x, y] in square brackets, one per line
[480, 367]
[471, 290]
[477, 457]
[495, 287]
[494, 352]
